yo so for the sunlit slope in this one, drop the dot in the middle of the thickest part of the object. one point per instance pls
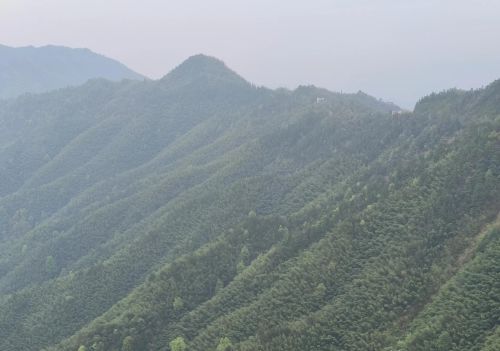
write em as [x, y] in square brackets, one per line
[202, 207]
[400, 255]
[152, 170]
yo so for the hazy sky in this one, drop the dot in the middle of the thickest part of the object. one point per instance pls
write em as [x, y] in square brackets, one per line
[398, 50]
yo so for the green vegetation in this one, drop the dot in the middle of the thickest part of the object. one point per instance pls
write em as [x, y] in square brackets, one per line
[224, 345]
[199, 212]
[178, 344]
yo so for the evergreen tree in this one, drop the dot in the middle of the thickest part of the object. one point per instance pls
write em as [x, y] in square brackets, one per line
[224, 344]
[128, 343]
[178, 344]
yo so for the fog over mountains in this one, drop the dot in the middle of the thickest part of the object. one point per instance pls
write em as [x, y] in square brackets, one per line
[34, 70]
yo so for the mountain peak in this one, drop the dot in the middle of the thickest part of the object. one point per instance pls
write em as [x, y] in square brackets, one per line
[202, 60]
[203, 66]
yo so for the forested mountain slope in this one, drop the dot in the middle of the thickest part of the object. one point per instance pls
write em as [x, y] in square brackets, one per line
[201, 209]
[35, 70]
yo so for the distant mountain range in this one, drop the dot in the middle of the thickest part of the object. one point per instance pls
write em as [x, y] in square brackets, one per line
[34, 70]
[199, 212]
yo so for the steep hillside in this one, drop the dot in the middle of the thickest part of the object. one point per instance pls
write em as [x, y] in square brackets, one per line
[201, 210]
[35, 70]
[367, 267]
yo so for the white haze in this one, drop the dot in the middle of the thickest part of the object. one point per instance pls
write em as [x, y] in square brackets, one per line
[398, 50]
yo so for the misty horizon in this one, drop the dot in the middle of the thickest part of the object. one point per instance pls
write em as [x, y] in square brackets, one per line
[381, 98]
[395, 51]
[222, 175]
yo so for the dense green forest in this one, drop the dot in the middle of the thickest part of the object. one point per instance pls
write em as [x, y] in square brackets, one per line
[200, 212]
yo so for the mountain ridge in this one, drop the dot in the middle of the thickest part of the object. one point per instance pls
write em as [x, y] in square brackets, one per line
[204, 208]
[39, 69]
